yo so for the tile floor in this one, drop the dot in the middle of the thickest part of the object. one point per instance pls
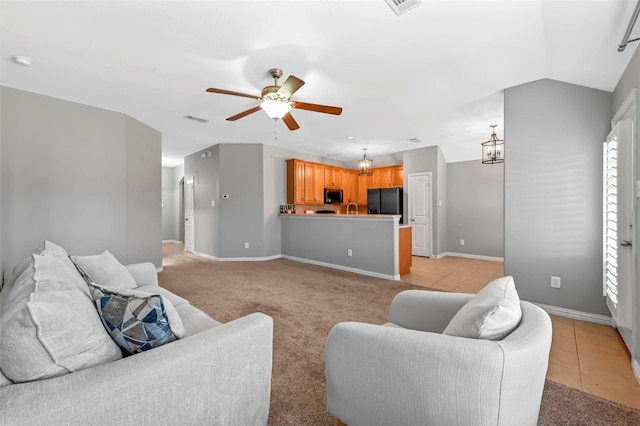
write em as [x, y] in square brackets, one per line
[586, 356]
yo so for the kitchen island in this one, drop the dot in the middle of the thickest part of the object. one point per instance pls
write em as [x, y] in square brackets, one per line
[364, 244]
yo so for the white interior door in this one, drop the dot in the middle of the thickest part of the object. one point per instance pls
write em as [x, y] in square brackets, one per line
[420, 213]
[619, 205]
[189, 222]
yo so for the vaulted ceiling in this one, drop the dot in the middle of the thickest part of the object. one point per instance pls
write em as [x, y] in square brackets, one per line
[435, 73]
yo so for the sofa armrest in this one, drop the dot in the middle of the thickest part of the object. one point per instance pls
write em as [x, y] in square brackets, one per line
[221, 376]
[380, 375]
[143, 273]
[426, 310]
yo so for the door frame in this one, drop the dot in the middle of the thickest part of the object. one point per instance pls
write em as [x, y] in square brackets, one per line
[628, 110]
[193, 200]
[430, 202]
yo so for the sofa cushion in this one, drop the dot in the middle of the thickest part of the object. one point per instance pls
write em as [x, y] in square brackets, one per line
[195, 320]
[105, 270]
[154, 289]
[491, 314]
[137, 321]
[52, 249]
[49, 326]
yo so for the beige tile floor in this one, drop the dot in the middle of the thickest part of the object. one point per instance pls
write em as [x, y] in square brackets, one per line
[586, 356]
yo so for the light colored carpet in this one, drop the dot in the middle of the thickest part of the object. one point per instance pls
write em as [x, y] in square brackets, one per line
[306, 301]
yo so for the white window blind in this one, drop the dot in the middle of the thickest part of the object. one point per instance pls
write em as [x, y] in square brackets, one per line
[610, 218]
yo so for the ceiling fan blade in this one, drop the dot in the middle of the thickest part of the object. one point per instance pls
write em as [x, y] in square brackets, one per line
[290, 121]
[290, 86]
[244, 113]
[228, 92]
[317, 108]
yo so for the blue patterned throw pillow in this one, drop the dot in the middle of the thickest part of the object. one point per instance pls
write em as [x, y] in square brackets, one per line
[136, 321]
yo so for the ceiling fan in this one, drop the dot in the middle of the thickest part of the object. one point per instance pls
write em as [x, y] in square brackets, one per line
[276, 100]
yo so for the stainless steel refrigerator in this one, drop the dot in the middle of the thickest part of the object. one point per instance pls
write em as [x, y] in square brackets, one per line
[385, 201]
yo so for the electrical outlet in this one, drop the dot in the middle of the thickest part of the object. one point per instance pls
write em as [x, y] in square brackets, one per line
[213, 204]
[349, 252]
[246, 245]
[555, 282]
[461, 242]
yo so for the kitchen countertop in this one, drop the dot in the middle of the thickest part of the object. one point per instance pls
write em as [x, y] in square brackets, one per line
[343, 216]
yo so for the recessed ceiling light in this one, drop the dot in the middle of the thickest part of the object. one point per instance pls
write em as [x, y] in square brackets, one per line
[350, 138]
[22, 60]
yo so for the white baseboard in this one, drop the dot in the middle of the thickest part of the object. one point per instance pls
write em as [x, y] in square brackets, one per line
[579, 315]
[160, 269]
[172, 241]
[238, 259]
[636, 369]
[470, 256]
[344, 268]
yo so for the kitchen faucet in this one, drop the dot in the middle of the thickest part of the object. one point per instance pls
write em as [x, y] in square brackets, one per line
[355, 208]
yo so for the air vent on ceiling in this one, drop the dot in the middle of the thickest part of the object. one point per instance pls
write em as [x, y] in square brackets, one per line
[191, 117]
[414, 140]
[403, 6]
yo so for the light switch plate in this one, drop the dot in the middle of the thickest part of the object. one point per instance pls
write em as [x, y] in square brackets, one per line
[638, 189]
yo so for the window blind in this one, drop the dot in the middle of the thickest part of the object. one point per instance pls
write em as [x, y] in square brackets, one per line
[610, 219]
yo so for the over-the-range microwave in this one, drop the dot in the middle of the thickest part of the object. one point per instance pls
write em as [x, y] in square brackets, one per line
[332, 196]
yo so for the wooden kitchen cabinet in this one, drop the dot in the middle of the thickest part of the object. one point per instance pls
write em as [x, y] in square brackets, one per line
[361, 199]
[397, 176]
[306, 182]
[349, 185]
[333, 177]
[405, 249]
[295, 181]
[384, 177]
[314, 184]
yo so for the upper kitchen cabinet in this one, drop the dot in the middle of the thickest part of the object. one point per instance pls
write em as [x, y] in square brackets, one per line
[295, 182]
[305, 183]
[390, 177]
[314, 184]
[384, 177]
[397, 176]
[349, 185]
[333, 177]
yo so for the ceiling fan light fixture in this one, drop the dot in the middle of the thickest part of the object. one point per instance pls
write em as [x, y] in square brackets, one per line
[275, 109]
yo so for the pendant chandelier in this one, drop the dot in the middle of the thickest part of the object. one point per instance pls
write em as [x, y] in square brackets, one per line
[365, 166]
[493, 149]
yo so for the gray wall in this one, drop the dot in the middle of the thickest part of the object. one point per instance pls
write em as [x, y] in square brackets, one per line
[326, 239]
[553, 192]
[430, 159]
[206, 185]
[254, 177]
[172, 221]
[629, 80]
[241, 216]
[82, 177]
[475, 208]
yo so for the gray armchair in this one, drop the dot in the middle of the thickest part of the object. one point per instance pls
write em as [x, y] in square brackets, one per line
[406, 372]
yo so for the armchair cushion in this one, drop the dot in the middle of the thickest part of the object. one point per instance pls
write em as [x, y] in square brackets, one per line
[491, 314]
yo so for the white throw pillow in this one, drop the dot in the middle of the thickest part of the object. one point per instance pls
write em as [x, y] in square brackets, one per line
[105, 270]
[50, 326]
[491, 314]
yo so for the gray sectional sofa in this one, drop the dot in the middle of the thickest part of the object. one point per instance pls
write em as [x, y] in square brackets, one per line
[213, 374]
